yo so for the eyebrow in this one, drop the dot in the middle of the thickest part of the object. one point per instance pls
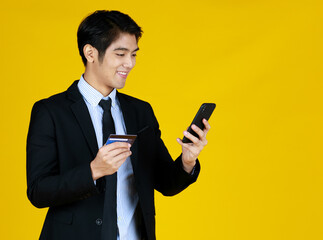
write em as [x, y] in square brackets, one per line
[125, 49]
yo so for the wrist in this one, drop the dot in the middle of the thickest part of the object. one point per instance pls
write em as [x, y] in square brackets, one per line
[96, 174]
[188, 167]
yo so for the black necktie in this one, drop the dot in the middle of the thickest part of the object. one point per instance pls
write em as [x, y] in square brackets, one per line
[109, 226]
[107, 120]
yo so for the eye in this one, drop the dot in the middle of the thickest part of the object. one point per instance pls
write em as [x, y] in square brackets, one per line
[120, 54]
[134, 55]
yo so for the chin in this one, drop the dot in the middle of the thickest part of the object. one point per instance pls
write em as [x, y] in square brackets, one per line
[120, 86]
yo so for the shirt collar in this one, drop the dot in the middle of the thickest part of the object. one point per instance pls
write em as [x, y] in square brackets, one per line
[93, 96]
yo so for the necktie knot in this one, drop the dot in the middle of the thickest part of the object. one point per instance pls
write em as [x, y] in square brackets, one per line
[107, 120]
[105, 104]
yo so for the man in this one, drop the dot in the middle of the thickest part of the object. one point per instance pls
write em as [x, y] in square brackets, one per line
[94, 190]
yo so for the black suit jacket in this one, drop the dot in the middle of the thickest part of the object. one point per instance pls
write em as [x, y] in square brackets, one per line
[61, 143]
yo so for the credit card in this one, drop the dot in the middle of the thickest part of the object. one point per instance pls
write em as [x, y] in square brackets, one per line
[121, 138]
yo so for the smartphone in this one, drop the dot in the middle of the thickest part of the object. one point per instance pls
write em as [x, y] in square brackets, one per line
[205, 111]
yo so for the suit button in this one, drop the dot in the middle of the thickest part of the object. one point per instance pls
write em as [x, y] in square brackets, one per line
[98, 221]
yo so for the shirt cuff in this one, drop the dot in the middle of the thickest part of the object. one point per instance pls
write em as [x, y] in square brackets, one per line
[193, 170]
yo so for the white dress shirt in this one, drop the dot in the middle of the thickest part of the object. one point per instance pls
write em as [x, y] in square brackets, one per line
[127, 196]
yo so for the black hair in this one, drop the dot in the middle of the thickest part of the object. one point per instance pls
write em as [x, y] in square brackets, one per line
[102, 27]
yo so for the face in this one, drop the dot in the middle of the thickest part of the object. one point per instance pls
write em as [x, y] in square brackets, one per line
[113, 69]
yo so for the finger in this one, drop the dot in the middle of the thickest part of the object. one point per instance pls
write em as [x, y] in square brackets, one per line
[179, 141]
[119, 145]
[121, 158]
[194, 148]
[202, 134]
[191, 137]
[116, 152]
[116, 145]
[114, 163]
[207, 126]
[199, 132]
[184, 145]
[194, 151]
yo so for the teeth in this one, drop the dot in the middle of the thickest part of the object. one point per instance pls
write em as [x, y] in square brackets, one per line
[123, 73]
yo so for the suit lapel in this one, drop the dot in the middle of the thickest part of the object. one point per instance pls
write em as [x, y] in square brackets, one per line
[129, 116]
[82, 115]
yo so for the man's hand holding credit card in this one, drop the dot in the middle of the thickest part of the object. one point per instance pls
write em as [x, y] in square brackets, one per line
[112, 155]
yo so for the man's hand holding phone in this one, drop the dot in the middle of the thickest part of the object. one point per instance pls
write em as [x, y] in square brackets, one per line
[195, 136]
[190, 151]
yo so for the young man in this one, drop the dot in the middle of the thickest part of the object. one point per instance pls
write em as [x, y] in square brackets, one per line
[94, 190]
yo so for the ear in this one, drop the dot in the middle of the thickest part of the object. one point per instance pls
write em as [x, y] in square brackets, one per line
[90, 53]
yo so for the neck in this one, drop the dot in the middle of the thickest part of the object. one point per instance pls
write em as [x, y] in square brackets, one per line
[92, 79]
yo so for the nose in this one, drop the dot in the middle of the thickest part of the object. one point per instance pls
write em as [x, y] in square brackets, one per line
[129, 62]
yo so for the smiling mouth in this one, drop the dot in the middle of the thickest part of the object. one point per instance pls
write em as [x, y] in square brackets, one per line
[123, 74]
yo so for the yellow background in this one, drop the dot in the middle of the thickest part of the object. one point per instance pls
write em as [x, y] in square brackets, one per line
[259, 61]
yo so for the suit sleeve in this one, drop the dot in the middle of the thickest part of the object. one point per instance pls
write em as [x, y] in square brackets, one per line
[170, 177]
[48, 187]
